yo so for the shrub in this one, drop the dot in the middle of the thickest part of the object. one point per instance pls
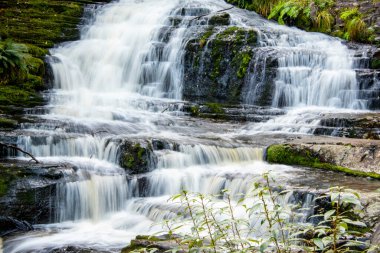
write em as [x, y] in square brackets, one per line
[260, 221]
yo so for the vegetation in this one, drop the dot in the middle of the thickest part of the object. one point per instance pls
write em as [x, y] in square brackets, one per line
[260, 221]
[285, 154]
[27, 29]
[355, 28]
[313, 15]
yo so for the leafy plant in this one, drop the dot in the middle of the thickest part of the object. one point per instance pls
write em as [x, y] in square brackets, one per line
[291, 12]
[261, 221]
[323, 21]
[13, 65]
[355, 28]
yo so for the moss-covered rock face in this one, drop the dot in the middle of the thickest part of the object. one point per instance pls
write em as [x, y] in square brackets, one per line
[29, 28]
[329, 157]
[136, 158]
[217, 62]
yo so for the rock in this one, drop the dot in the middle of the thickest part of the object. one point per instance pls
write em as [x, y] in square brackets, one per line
[217, 64]
[363, 126]
[220, 19]
[160, 243]
[358, 158]
[9, 225]
[137, 157]
[375, 240]
[27, 190]
[75, 249]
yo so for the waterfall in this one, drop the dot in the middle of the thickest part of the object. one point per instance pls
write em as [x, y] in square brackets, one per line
[117, 82]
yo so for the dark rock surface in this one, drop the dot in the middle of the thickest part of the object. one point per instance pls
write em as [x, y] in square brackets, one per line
[9, 225]
[28, 190]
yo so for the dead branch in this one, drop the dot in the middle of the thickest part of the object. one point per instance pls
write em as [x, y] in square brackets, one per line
[98, 132]
[19, 149]
[198, 17]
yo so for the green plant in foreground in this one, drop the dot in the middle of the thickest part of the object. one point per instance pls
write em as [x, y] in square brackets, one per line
[262, 220]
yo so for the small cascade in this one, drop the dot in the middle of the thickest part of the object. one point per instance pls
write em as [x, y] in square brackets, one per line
[70, 146]
[91, 198]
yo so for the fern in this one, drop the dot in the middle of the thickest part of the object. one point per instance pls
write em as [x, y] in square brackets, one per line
[13, 58]
[323, 21]
[355, 28]
[291, 12]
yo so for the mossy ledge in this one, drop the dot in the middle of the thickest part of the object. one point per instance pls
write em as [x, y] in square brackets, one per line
[288, 154]
[28, 28]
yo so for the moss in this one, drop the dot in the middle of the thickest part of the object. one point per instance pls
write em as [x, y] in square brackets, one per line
[7, 176]
[7, 123]
[203, 40]
[17, 96]
[215, 108]
[194, 111]
[243, 59]
[135, 158]
[221, 19]
[286, 154]
[375, 63]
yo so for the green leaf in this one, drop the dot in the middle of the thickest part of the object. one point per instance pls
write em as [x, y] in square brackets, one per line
[319, 243]
[355, 223]
[328, 214]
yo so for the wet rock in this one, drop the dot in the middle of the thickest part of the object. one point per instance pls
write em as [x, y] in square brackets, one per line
[353, 157]
[75, 249]
[216, 64]
[364, 126]
[375, 240]
[27, 190]
[137, 157]
[162, 244]
[225, 112]
[9, 225]
[220, 19]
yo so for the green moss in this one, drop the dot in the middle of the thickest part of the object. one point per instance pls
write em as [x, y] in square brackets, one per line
[286, 154]
[194, 111]
[135, 158]
[16, 96]
[7, 176]
[7, 123]
[215, 108]
[243, 59]
[203, 40]
[375, 63]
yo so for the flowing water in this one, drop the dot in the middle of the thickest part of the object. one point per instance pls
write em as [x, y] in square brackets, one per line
[122, 81]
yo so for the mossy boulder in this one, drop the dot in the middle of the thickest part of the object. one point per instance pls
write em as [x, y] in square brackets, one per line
[161, 244]
[220, 19]
[356, 161]
[217, 63]
[137, 157]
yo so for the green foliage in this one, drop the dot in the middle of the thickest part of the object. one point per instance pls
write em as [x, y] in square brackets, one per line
[260, 221]
[291, 12]
[312, 15]
[354, 27]
[323, 22]
[13, 66]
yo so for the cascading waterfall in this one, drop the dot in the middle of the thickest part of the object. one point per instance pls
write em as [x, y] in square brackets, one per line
[319, 73]
[115, 84]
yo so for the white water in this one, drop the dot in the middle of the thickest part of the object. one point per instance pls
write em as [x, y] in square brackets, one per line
[115, 84]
